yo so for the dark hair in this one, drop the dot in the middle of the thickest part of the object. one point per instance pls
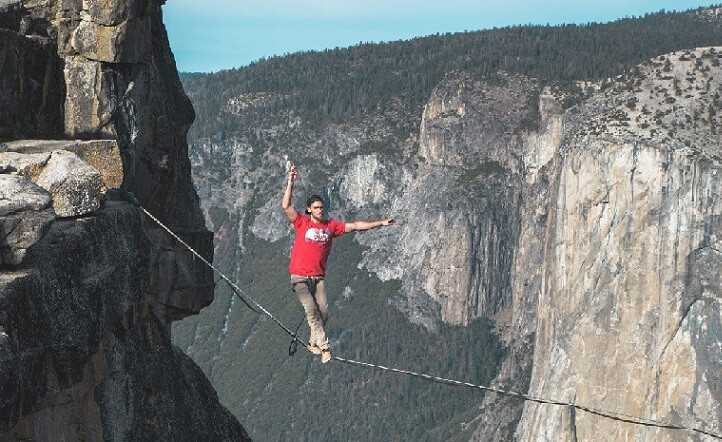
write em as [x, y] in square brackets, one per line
[312, 199]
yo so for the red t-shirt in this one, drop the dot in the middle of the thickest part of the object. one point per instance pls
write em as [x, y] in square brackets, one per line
[312, 245]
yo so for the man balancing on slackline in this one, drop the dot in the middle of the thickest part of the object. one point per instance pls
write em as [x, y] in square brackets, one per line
[308, 260]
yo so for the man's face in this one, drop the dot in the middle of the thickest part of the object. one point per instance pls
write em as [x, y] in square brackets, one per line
[316, 210]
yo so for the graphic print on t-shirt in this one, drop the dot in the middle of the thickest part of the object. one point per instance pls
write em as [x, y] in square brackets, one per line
[319, 236]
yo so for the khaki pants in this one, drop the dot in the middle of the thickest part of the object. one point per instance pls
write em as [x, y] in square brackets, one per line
[312, 294]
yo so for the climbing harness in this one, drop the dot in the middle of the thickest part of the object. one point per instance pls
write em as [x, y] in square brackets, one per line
[621, 417]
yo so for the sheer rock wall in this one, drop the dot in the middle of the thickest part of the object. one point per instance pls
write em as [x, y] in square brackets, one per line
[86, 304]
[629, 305]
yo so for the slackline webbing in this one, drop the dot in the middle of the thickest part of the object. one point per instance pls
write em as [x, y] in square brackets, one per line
[248, 300]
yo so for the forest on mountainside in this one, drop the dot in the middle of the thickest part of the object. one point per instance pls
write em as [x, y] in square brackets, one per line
[336, 84]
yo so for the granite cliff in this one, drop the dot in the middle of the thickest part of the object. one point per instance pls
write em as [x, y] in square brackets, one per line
[578, 218]
[90, 100]
[629, 301]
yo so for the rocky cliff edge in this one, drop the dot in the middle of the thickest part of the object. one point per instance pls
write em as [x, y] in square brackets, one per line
[90, 100]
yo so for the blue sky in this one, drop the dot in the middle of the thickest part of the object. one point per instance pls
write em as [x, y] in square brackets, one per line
[207, 36]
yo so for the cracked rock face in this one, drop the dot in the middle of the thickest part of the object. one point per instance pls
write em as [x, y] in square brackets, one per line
[112, 13]
[113, 77]
[27, 107]
[126, 42]
[87, 110]
[26, 213]
[456, 257]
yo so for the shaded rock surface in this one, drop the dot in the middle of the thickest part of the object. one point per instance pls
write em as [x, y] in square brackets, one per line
[29, 106]
[82, 333]
[139, 105]
[125, 42]
[26, 213]
[460, 253]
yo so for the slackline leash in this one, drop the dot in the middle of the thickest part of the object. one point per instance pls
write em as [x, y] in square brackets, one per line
[248, 300]
[294, 338]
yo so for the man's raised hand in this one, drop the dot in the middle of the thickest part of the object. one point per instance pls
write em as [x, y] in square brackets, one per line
[292, 172]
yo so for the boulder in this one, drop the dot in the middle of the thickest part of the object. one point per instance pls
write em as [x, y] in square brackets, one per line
[74, 184]
[26, 213]
[104, 155]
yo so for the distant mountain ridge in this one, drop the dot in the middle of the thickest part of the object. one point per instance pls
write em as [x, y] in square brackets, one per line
[340, 83]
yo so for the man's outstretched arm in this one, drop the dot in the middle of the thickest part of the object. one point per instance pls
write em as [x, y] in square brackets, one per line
[360, 226]
[290, 212]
